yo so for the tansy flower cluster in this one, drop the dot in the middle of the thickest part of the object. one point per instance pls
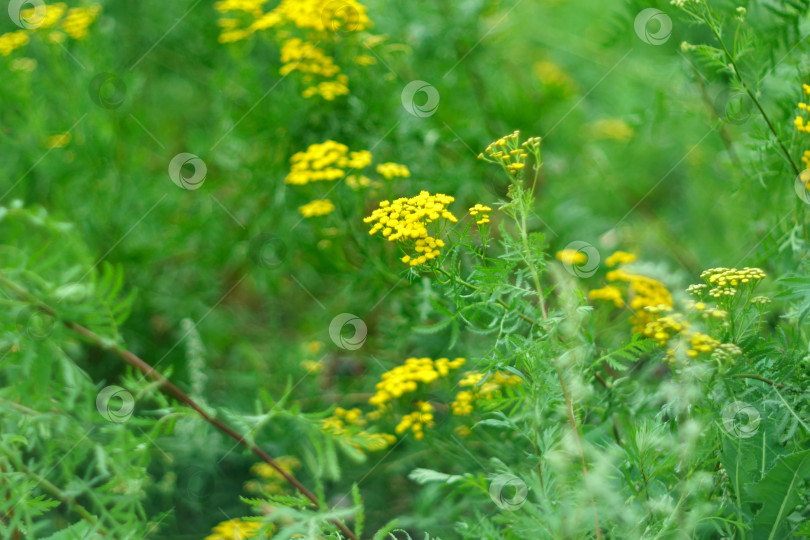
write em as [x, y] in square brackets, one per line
[476, 389]
[318, 20]
[803, 127]
[417, 420]
[706, 311]
[393, 170]
[319, 207]
[620, 257]
[642, 292]
[726, 281]
[406, 378]
[325, 161]
[483, 210]
[46, 20]
[406, 221]
[609, 293]
[78, 20]
[509, 153]
[234, 529]
[571, 256]
[672, 330]
[799, 121]
[329, 161]
[320, 73]
[11, 41]
[269, 479]
[361, 181]
[350, 424]
[667, 326]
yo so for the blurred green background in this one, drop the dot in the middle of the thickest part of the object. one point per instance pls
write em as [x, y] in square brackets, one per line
[637, 157]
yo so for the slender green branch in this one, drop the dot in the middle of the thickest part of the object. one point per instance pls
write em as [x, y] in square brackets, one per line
[145, 368]
[769, 382]
[733, 63]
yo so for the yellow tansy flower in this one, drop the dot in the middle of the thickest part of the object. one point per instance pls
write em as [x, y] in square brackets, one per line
[620, 257]
[406, 221]
[608, 293]
[393, 170]
[483, 210]
[572, 256]
[234, 529]
[77, 21]
[316, 208]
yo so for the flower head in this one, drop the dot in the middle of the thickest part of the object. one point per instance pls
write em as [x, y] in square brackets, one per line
[572, 256]
[483, 211]
[406, 221]
[326, 161]
[315, 208]
[393, 170]
[234, 529]
[727, 281]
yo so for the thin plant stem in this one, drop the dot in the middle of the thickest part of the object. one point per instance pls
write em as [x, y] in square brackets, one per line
[169, 387]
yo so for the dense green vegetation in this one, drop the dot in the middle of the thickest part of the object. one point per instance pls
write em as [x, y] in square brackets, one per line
[581, 311]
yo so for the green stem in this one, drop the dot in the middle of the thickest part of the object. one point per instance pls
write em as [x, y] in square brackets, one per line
[71, 503]
[181, 396]
[768, 382]
[738, 75]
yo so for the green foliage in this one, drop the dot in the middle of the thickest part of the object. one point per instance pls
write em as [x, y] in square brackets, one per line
[679, 147]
